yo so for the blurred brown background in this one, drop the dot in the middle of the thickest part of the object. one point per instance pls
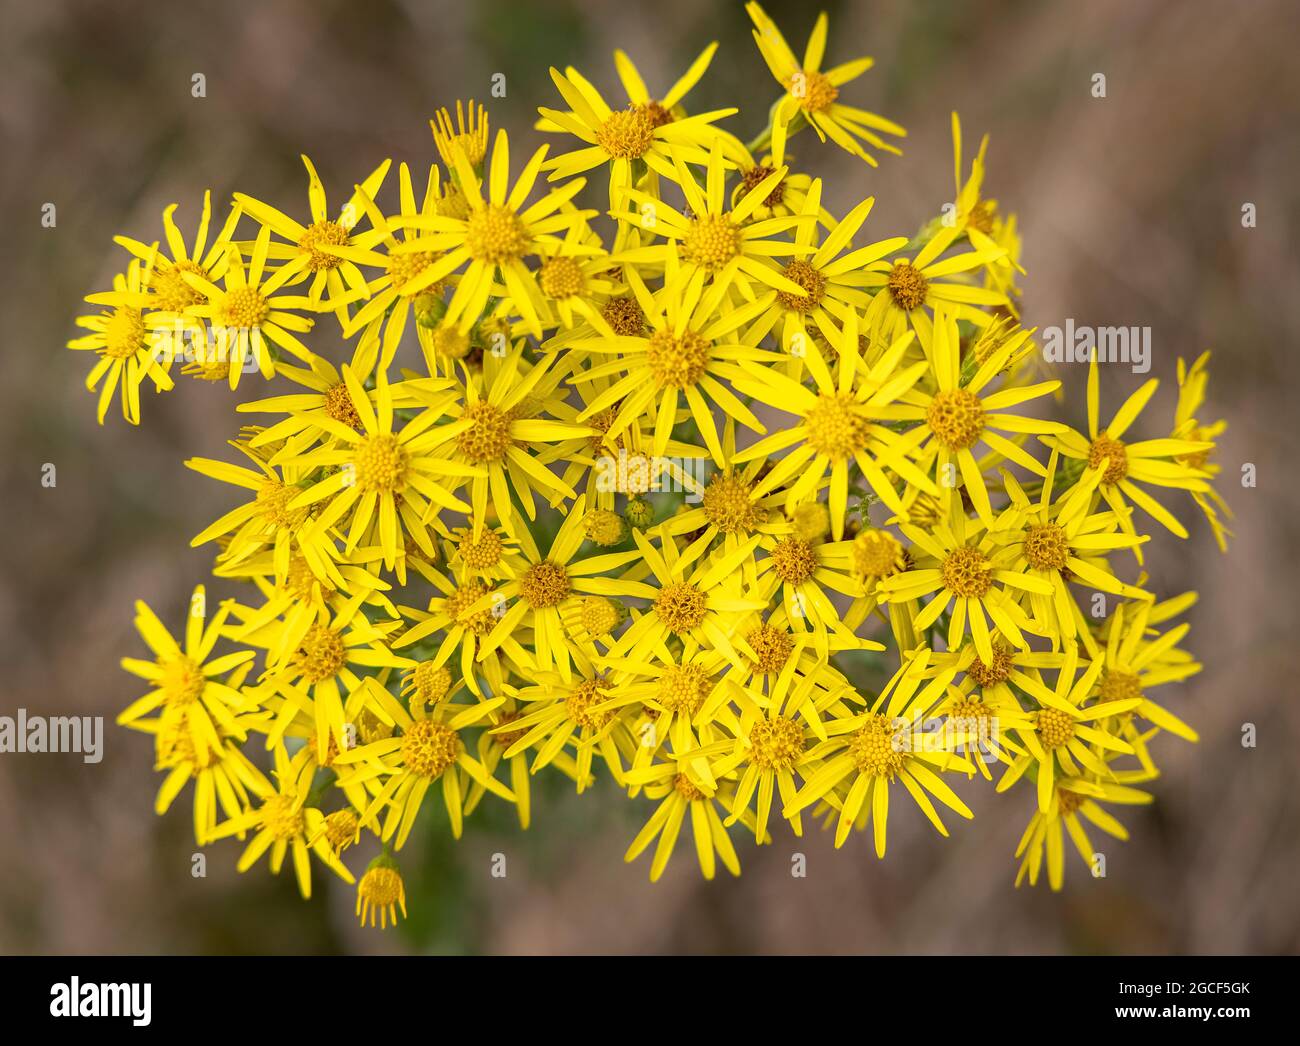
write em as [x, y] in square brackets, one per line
[1130, 208]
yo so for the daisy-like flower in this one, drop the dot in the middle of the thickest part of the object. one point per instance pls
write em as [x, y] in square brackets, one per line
[1068, 729]
[302, 254]
[872, 555]
[456, 619]
[265, 522]
[493, 438]
[1139, 657]
[167, 287]
[970, 574]
[701, 602]
[498, 232]
[769, 647]
[574, 286]
[866, 754]
[223, 776]
[183, 679]
[285, 822]
[832, 280]
[604, 466]
[910, 286]
[982, 721]
[1158, 462]
[556, 712]
[1074, 800]
[380, 480]
[1192, 382]
[685, 351]
[492, 752]
[678, 793]
[129, 340]
[408, 281]
[686, 696]
[814, 95]
[959, 417]
[313, 653]
[716, 241]
[837, 425]
[801, 576]
[728, 510]
[326, 394]
[645, 131]
[778, 738]
[246, 312]
[1067, 541]
[547, 586]
[401, 769]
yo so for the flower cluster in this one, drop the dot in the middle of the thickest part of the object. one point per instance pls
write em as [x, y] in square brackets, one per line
[671, 480]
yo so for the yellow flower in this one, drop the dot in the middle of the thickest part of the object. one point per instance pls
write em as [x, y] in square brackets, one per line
[455, 620]
[788, 196]
[1139, 658]
[838, 425]
[813, 95]
[183, 677]
[1074, 800]
[302, 254]
[645, 131]
[266, 521]
[379, 478]
[496, 429]
[1159, 462]
[381, 890]
[715, 241]
[1066, 541]
[1068, 729]
[974, 578]
[1192, 382]
[728, 508]
[167, 288]
[956, 418]
[130, 341]
[907, 287]
[832, 281]
[678, 793]
[867, 753]
[777, 734]
[283, 823]
[469, 133]
[245, 312]
[223, 777]
[557, 712]
[545, 587]
[401, 769]
[495, 237]
[313, 657]
[801, 575]
[700, 602]
[685, 351]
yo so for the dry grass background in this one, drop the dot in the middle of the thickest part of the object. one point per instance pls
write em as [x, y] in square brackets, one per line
[1130, 207]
